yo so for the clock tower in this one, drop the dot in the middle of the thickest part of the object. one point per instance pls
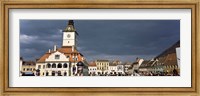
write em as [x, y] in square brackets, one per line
[70, 35]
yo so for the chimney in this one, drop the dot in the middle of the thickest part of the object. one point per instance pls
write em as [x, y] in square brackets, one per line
[36, 59]
[49, 50]
[54, 49]
[137, 59]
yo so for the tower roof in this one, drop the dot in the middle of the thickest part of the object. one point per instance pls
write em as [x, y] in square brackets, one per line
[71, 22]
[70, 27]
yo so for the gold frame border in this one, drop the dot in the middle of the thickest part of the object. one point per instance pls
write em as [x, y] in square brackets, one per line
[110, 4]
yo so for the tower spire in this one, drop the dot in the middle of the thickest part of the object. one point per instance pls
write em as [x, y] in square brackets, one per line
[70, 27]
[71, 22]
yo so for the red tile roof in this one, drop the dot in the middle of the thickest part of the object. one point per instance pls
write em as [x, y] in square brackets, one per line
[28, 63]
[92, 64]
[171, 49]
[42, 59]
[171, 59]
[102, 60]
[66, 50]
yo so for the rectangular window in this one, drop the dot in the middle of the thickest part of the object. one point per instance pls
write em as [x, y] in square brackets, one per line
[57, 56]
[39, 66]
[43, 66]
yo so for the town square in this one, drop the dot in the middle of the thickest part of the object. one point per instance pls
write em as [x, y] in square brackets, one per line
[69, 59]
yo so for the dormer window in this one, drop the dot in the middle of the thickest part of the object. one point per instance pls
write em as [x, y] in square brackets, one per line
[57, 56]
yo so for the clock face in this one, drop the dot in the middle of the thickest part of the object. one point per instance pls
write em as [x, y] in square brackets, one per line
[68, 35]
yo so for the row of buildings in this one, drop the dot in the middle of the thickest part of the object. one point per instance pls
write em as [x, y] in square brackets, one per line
[166, 63]
[68, 61]
[105, 67]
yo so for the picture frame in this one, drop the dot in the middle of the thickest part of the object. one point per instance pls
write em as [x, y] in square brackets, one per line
[110, 4]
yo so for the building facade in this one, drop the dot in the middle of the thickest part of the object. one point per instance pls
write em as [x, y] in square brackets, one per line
[137, 64]
[120, 69]
[102, 66]
[167, 61]
[164, 64]
[128, 68]
[20, 65]
[64, 61]
[112, 68]
[27, 67]
[92, 69]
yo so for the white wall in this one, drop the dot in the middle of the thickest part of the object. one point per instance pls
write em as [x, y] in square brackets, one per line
[41, 68]
[112, 68]
[20, 65]
[178, 56]
[69, 41]
[140, 61]
[52, 57]
[92, 69]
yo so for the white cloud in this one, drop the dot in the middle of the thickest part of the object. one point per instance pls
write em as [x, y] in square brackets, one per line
[60, 30]
[55, 36]
[29, 51]
[48, 43]
[27, 39]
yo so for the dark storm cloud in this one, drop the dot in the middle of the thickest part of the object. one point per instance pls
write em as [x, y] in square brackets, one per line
[36, 37]
[106, 39]
[128, 37]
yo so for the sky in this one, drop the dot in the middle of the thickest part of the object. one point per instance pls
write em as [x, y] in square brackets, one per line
[123, 40]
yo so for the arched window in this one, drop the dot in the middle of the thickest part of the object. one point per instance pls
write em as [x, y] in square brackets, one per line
[59, 73]
[53, 65]
[47, 73]
[48, 65]
[74, 69]
[53, 73]
[59, 65]
[65, 65]
[65, 73]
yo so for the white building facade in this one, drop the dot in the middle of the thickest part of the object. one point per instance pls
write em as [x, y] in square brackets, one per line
[120, 69]
[102, 66]
[92, 70]
[113, 69]
[64, 61]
